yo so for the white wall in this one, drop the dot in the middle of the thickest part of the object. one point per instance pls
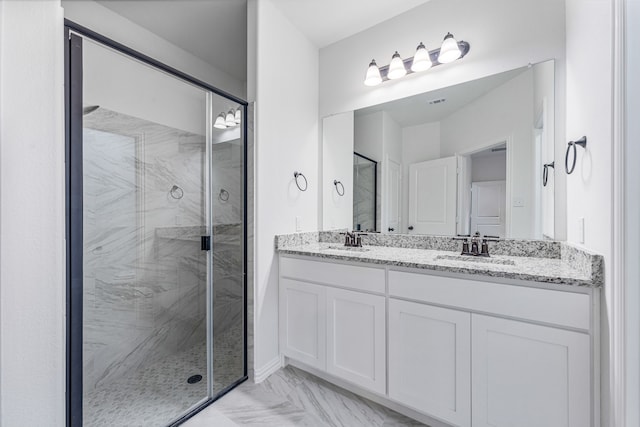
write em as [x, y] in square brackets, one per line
[419, 144]
[109, 24]
[504, 35]
[491, 120]
[368, 135]
[284, 67]
[32, 289]
[337, 145]
[589, 112]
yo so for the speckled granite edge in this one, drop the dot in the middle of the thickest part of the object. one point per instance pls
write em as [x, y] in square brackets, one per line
[587, 262]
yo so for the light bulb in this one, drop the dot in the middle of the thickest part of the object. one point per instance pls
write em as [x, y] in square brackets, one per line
[220, 122]
[238, 117]
[449, 51]
[396, 68]
[373, 77]
[421, 60]
[230, 120]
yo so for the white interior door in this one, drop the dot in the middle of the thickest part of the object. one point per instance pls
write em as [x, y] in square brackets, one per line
[392, 197]
[432, 196]
[488, 205]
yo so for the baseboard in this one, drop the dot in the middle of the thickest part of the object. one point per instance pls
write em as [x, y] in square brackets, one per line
[262, 373]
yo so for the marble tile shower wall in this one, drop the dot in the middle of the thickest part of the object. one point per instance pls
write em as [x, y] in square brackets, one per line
[145, 275]
[364, 199]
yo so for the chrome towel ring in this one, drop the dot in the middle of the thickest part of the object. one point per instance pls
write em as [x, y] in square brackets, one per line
[545, 172]
[572, 144]
[306, 184]
[223, 195]
[338, 183]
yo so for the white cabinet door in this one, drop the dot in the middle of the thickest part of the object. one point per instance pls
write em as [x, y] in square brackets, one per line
[356, 338]
[528, 375]
[429, 360]
[303, 320]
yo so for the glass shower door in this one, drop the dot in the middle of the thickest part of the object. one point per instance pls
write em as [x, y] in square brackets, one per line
[146, 198]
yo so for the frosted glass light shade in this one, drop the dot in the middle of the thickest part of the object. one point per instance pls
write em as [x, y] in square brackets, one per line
[238, 117]
[421, 60]
[449, 51]
[230, 120]
[220, 122]
[373, 77]
[396, 68]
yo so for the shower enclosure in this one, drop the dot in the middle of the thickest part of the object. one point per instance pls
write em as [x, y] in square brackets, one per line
[156, 238]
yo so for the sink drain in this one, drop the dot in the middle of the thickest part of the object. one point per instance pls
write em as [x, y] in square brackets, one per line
[194, 379]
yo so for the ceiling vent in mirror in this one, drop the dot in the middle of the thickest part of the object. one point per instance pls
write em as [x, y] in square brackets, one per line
[436, 101]
[423, 60]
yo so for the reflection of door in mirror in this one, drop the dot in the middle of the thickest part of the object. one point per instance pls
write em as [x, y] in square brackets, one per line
[488, 208]
[365, 172]
[432, 197]
[391, 197]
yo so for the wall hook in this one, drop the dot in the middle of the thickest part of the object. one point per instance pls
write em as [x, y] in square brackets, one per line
[338, 183]
[572, 144]
[306, 184]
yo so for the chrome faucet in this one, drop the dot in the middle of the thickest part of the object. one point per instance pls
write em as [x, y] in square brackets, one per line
[479, 244]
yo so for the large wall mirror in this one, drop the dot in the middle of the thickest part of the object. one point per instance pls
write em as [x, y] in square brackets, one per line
[478, 156]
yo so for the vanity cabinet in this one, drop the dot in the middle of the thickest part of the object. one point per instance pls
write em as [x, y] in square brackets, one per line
[529, 375]
[465, 352]
[430, 360]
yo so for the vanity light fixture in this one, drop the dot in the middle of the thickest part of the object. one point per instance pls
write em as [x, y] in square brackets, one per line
[228, 120]
[237, 116]
[421, 61]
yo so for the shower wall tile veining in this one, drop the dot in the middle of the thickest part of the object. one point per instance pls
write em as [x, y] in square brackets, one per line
[144, 293]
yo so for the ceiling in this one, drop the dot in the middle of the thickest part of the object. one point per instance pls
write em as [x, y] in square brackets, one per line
[326, 21]
[416, 110]
[216, 30]
[213, 30]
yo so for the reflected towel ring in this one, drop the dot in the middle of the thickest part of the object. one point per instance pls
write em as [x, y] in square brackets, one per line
[176, 192]
[306, 184]
[545, 172]
[336, 183]
[581, 142]
[223, 195]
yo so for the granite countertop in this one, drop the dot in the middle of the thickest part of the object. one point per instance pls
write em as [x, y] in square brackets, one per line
[563, 269]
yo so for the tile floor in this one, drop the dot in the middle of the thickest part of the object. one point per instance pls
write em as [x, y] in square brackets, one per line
[291, 397]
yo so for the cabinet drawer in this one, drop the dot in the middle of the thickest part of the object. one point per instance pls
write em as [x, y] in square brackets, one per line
[542, 305]
[328, 273]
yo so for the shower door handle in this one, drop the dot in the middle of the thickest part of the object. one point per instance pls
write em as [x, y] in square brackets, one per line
[205, 243]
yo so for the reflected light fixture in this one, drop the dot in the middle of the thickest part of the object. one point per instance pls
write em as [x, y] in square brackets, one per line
[421, 61]
[396, 67]
[220, 122]
[230, 119]
[449, 51]
[237, 116]
[373, 77]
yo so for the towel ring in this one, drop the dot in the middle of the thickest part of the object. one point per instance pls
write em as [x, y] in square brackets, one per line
[336, 183]
[223, 195]
[306, 184]
[176, 192]
[581, 142]
[545, 172]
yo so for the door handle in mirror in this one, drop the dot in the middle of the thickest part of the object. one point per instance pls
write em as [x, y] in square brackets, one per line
[391, 229]
[410, 227]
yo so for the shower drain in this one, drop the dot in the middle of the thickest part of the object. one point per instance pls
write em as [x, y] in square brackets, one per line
[194, 379]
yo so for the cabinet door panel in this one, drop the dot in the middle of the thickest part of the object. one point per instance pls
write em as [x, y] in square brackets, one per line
[528, 375]
[429, 360]
[303, 322]
[356, 338]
